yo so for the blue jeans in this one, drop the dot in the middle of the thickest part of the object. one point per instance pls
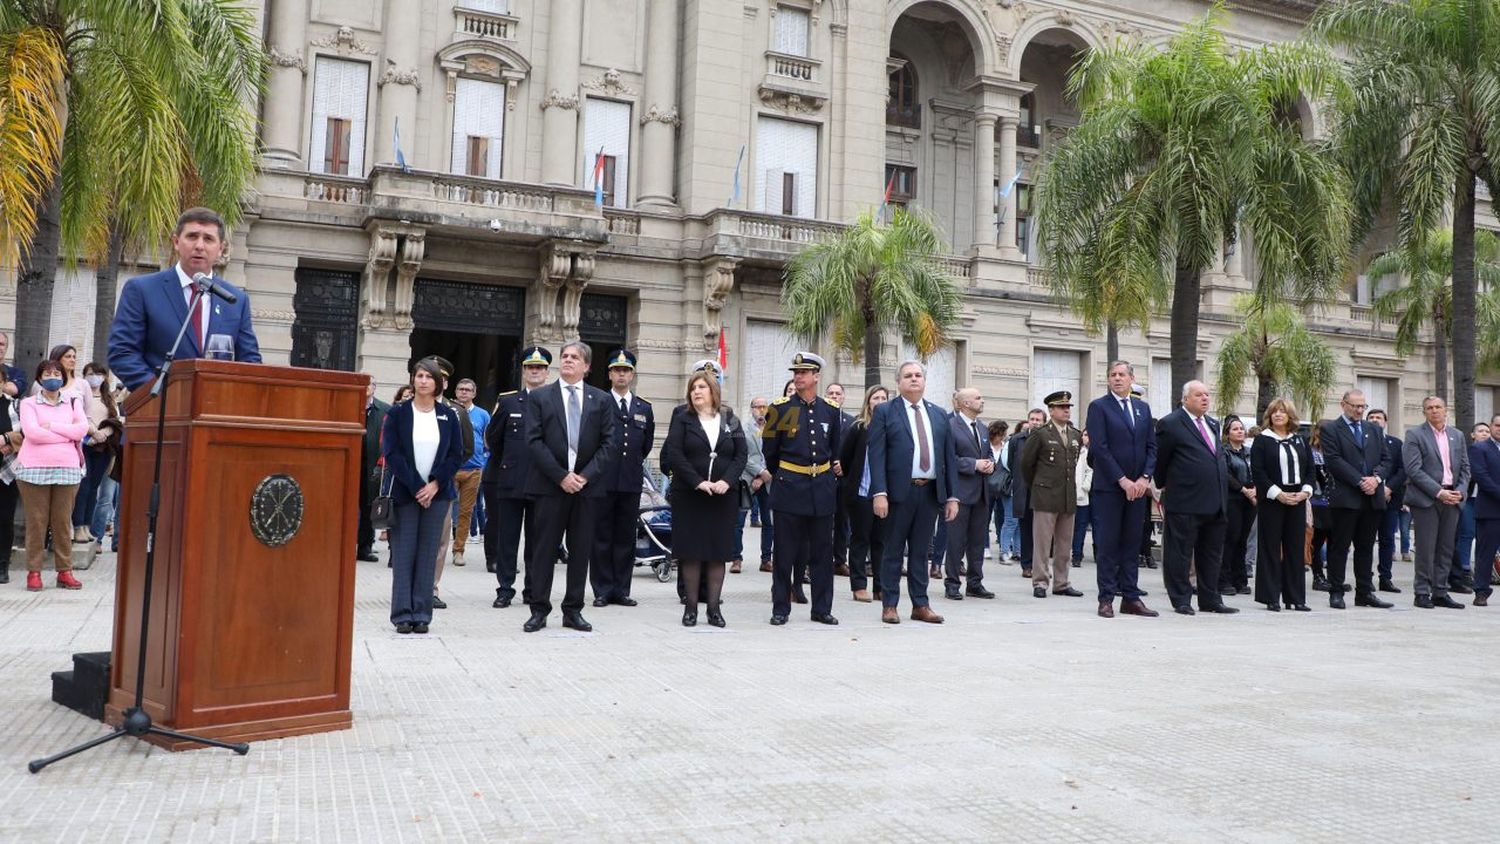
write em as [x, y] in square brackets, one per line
[415, 536]
[1080, 525]
[96, 464]
[104, 509]
[1404, 526]
[1007, 527]
[1463, 552]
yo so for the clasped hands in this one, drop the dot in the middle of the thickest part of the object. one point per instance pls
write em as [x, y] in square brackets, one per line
[713, 487]
[1449, 496]
[984, 467]
[1135, 489]
[573, 483]
[1292, 499]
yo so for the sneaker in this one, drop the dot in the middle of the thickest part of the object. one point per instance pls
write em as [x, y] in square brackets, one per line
[33, 581]
[66, 580]
[458, 558]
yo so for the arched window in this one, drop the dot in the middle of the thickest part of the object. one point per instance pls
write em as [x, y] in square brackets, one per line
[902, 108]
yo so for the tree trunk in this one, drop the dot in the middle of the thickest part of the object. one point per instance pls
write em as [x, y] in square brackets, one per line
[1186, 296]
[35, 281]
[1265, 393]
[1111, 342]
[1440, 353]
[105, 282]
[1463, 300]
[872, 355]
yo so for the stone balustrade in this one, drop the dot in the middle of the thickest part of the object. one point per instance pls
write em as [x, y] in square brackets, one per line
[476, 23]
[799, 68]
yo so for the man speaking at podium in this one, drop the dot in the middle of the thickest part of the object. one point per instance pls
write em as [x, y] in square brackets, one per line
[152, 307]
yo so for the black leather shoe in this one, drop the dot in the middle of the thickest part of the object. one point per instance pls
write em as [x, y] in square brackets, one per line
[1461, 589]
[1185, 610]
[1387, 586]
[978, 592]
[439, 603]
[537, 621]
[1150, 562]
[1226, 590]
[689, 618]
[501, 603]
[419, 627]
[625, 602]
[573, 619]
[778, 620]
[1371, 600]
[1422, 602]
[1301, 608]
[799, 597]
[1273, 607]
[489, 567]
[601, 602]
[1446, 602]
[1242, 590]
[1320, 584]
[1223, 609]
[715, 618]
[403, 627]
[367, 556]
[1068, 591]
[953, 594]
[1038, 591]
[1336, 600]
[824, 619]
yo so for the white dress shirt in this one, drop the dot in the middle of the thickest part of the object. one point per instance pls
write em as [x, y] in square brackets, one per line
[187, 296]
[916, 452]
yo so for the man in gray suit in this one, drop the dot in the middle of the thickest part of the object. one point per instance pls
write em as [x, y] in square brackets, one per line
[1437, 474]
[976, 462]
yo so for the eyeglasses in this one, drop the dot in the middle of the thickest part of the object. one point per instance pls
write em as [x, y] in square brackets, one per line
[1353, 406]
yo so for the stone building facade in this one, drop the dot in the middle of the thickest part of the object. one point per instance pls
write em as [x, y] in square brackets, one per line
[723, 136]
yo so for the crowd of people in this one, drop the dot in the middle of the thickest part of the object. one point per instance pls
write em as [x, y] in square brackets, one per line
[900, 491]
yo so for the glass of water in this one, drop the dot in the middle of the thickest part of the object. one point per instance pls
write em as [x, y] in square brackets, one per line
[220, 347]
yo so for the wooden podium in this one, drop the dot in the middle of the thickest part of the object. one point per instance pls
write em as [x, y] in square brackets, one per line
[252, 606]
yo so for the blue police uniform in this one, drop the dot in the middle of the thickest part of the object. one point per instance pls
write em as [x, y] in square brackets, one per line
[614, 535]
[801, 441]
[504, 484]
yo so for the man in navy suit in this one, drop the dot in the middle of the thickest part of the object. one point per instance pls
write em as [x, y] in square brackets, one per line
[572, 439]
[974, 462]
[1484, 463]
[1355, 455]
[912, 474]
[614, 541]
[1194, 480]
[1122, 451]
[153, 307]
[1395, 496]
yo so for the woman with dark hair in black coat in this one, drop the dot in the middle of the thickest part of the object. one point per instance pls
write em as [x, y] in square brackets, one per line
[1283, 467]
[705, 453]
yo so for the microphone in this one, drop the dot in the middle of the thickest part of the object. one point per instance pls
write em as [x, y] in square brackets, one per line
[207, 284]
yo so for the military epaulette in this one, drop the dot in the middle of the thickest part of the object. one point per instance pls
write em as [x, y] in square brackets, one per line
[510, 393]
[835, 405]
[643, 401]
[782, 400]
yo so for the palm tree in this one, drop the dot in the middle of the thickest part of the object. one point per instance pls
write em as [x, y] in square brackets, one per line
[871, 277]
[1425, 111]
[1286, 358]
[128, 112]
[1177, 150]
[1427, 296]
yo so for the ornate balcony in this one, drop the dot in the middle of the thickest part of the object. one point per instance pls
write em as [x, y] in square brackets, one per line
[787, 66]
[477, 23]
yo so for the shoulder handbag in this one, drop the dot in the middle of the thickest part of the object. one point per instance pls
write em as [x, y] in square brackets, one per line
[382, 509]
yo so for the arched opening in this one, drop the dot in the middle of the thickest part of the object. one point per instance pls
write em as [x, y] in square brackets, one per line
[1046, 115]
[903, 108]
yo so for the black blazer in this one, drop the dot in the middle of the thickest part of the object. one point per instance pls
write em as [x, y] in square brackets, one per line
[1193, 478]
[1020, 491]
[689, 458]
[852, 457]
[400, 461]
[1265, 466]
[1238, 468]
[547, 440]
[1396, 483]
[1347, 463]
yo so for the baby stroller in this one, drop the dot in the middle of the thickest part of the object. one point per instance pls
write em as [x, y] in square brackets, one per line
[653, 535]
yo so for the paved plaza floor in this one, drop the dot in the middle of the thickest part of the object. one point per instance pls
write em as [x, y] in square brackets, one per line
[1017, 720]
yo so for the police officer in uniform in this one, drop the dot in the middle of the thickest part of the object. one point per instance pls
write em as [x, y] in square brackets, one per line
[802, 437]
[504, 480]
[614, 537]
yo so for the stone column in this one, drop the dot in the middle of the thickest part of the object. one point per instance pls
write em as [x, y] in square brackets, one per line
[659, 123]
[400, 82]
[286, 60]
[984, 181]
[1008, 247]
[560, 106]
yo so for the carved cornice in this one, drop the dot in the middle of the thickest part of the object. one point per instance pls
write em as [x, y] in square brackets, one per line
[394, 75]
[557, 99]
[611, 85]
[791, 103]
[345, 43]
[718, 283]
[269, 316]
[275, 56]
[656, 114]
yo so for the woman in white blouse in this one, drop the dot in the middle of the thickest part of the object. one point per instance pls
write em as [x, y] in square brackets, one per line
[1282, 466]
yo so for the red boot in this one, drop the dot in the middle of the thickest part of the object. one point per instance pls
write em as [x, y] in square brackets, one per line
[33, 581]
[66, 580]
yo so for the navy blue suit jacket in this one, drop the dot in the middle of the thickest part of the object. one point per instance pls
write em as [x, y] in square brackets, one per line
[969, 486]
[1117, 448]
[635, 435]
[891, 448]
[510, 458]
[400, 462]
[152, 309]
[1484, 463]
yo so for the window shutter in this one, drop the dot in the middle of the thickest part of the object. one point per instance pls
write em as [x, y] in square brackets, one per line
[781, 147]
[340, 91]
[1054, 370]
[768, 349]
[478, 111]
[607, 126]
[791, 31]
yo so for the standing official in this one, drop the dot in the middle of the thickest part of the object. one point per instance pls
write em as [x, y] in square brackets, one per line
[911, 460]
[1484, 464]
[1395, 498]
[834, 395]
[472, 472]
[369, 473]
[1020, 502]
[802, 437]
[1195, 486]
[1049, 462]
[504, 483]
[614, 540]
[1437, 472]
[974, 464]
[1355, 456]
[571, 434]
[1123, 448]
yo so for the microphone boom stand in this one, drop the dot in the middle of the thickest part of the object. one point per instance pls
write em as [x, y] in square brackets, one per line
[136, 722]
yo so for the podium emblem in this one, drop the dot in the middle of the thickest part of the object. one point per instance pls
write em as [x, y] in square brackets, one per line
[276, 510]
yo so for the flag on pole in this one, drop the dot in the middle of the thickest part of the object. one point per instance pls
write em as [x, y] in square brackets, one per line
[723, 355]
[735, 197]
[599, 178]
[885, 201]
[396, 142]
[1005, 191]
